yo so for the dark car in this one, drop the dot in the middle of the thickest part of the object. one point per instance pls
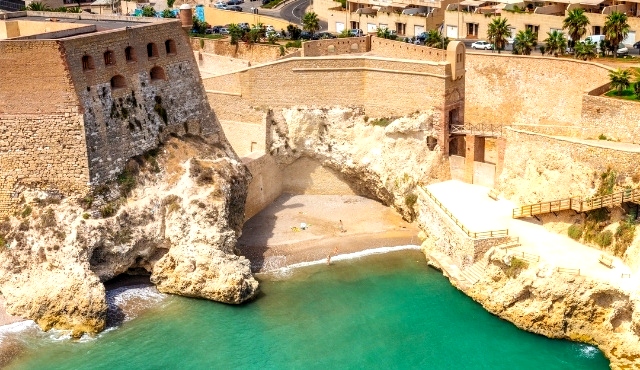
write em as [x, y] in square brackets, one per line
[324, 35]
[233, 2]
[265, 2]
[637, 45]
[304, 35]
[235, 8]
[422, 37]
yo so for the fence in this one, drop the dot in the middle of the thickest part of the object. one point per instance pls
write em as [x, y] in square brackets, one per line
[569, 271]
[471, 234]
[577, 204]
[480, 129]
[529, 257]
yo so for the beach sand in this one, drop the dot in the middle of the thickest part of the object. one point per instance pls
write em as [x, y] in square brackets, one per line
[5, 318]
[274, 238]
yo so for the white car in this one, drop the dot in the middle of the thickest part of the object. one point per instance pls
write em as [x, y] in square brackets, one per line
[270, 28]
[482, 45]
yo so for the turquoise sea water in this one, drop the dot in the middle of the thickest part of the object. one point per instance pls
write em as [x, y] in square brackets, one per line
[386, 311]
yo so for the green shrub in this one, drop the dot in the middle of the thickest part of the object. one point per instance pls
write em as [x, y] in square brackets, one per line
[85, 216]
[127, 182]
[293, 44]
[108, 210]
[48, 220]
[281, 50]
[385, 121]
[608, 182]
[575, 232]
[624, 236]
[515, 266]
[26, 212]
[602, 137]
[3, 243]
[410, 200]
[604, 239]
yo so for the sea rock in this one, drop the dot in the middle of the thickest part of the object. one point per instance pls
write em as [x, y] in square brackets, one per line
[577, 308]
[177, 220]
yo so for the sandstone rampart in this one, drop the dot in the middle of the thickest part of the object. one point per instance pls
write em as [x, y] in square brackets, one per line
[507, 89]
[254, 53]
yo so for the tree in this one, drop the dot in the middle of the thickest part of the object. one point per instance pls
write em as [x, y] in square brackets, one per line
[585, 50]
[310, 22]
[576, 25]
[148, 11]
[619, 79]
[294, 31]
[616, 29]
[556, 43]
[433, 39]
[37, 6]
[383, 33]
[168, 13]
[499, 31]
[75, 9]
[525, 41]
[199, 26]
[170, 3]
[236, 33]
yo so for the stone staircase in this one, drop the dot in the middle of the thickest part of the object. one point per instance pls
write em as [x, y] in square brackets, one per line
[475, 272]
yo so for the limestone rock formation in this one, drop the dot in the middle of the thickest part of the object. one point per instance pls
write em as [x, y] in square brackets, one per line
[175, 214]
[382, 158]
[578, 308]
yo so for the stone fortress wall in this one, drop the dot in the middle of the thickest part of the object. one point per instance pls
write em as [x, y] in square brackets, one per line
[102, 113]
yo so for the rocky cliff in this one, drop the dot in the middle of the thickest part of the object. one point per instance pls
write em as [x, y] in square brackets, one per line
[578, 308]
[381, 158]
[174, 213]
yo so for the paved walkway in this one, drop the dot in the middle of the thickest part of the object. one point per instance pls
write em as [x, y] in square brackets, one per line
[472, 206]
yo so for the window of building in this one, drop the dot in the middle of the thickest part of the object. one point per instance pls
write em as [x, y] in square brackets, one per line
[118, 81]
[401, 28]
[597, 30]
[472, 30]
[152, 50]
[355, 25]
[532, 27]
[109, 58]
[157, 73]
[87, 63]
[130, 54]
[170, 46]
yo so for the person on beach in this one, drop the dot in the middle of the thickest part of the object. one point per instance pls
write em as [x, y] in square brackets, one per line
[328, 259]
[342, 230]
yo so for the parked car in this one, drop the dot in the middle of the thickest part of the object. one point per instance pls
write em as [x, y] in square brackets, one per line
[265, 2]
[622, 50]
[325, 35]
[244, 25]
[221, 6]
[223, 31]
[236, 8]
[304, 35]
[422, 37]
[269, 28]
[482, 45]
[355, 33]
[233, 2]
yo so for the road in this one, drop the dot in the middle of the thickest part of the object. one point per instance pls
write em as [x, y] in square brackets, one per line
[294, 11]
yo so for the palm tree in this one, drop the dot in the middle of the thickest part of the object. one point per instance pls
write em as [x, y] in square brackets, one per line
[433, 39]
[148, 11]
[37, 6]
[499, 31]
[585, 50]
[556, 43]
[168, 13]
[310, 22]
[576, 25]
[619, 79]
[383, 32]
[616, 29]
[236, 33]
[525, 41]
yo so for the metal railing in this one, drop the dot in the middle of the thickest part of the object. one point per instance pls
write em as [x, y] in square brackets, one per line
[578, 204]
[469, 233]
[529, 257]
[566, 270]
[479, 129]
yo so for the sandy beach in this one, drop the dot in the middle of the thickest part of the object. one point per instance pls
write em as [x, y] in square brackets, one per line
[275, 237]
[5, 318]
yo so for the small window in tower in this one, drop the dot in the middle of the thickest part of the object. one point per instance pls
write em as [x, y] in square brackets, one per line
[130, 54]
[170, 46]
[87, 63]
[109, 58]
[152, 50]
